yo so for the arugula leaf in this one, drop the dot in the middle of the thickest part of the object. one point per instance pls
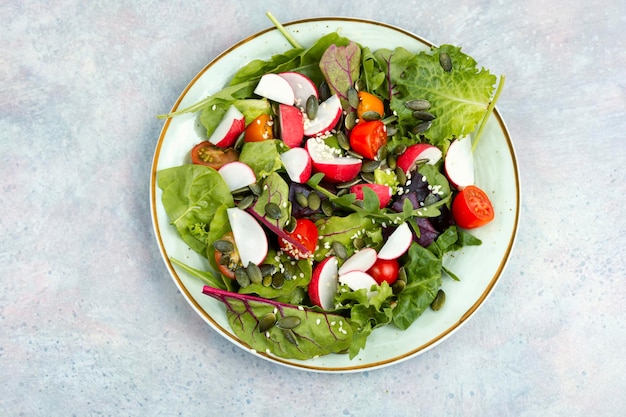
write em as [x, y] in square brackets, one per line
[191, 196]
[317, 334]
[458, 98]
[423, 270]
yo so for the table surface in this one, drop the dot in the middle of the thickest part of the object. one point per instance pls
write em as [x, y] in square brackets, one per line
[92, 324]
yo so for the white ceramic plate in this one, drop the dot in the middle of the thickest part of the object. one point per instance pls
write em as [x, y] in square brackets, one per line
[480, 267]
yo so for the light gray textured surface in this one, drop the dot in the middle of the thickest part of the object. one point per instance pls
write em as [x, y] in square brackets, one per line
[91, 323]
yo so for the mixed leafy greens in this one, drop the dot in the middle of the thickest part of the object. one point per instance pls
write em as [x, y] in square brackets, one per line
[278, 318]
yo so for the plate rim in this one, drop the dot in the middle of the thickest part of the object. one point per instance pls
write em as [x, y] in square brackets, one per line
[302, 365]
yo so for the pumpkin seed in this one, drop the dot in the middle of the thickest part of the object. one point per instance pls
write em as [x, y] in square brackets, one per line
[370, 115]
[431, 199]
[242, 277]
[267, 269]
[288, 322]
[254, 273]
[267, 280]
[290, 336]
[342, 140]
[439, 301]
[398, 286]
[391, 130]
[399, 149]
[246, 202]
[223, 246]
[289, 271]
[368, 177]
[350, 120]
[349, 184]
[240, 191]
[273, 211]
[225, 260]
[370, 166]
[278, 280]
[445, 61]
[400, 175]
[256, 189]
[267, 322]
[358, 243]
[342, 191]
[353, 97]
[302, 200]
[423, 115]
[353, 154]
[339, 250]
[311, 107]
[382, 153]
[417, 104]
[290, 226]
[421, 127]
[402, 274]
[324, 91]
[391, 161]
[327, 207]
[314, 201]
[360, 85]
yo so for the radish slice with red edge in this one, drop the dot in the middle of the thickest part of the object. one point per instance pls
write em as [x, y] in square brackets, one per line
[397, 243]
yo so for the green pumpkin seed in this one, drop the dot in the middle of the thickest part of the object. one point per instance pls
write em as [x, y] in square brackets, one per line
[256, 189]
[402, 274]
[358, 243]
[391, 130]
[242, 277]
[290, 336]
[224, 260]
[254, 273]
[290, 226]
[370, 166]
[431, 199]
[342, 191]
[302, 200]
[278, 280]
[348, 184]
[324, 91]
[382, 153]
[445, 61]
[342, 140]
[399, 149]
[423, 115]
[327, 207]
[340, 251]
[273, 211]
[353, 154]
[267, 322]
[400, 175]
[359, 85]
[353, 97]
[398, 286]
[439, 301]
[368, 177]
[418, 104]
[246, 202]
[289, 271]
[314, 201]
[311, 107]
[267, 280]
[350, 120]
[371, 115]
[223, 246]
[391, 161]
[267, 269]
[288, 322]
[421, 127]
[240, 191]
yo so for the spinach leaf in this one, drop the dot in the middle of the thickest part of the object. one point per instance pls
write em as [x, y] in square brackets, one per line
[191, 196]
[423, 270]
[212, 115]
[345, 230]
[317, 333]
[263, 157]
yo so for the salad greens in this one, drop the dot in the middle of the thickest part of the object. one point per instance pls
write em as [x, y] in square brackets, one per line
[196, 197]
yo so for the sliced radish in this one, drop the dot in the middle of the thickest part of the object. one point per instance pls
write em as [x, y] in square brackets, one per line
[418, 152]
[230, 127]
[237, 175]
[360, 261]
[382, 191]
[357, 280]
[459, 163]
[328, 114]
[302, 87]
[297, 162]
[291, 125]
[323, 285]
[250, 238]
[275, 88]
[397, 243]
[327, 160]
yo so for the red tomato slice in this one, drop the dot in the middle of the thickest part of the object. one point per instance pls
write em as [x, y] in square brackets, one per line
[205, 153]
[385, 270]
[471, 208]
[367, 137]
[305, 234]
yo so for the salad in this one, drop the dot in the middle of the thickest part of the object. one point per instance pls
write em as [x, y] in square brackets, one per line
[333, 181]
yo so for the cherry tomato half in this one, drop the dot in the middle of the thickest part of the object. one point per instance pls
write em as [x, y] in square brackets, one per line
[228, 262]
[385, 270]
[259, 129]
[369, 102]
[471, 208]
[366, 138]
[305, 234]
[205, 153]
